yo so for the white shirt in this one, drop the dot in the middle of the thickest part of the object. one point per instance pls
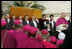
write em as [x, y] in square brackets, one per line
[45, 24]
[35, 24]
[8, 20]
[27, 21]
[37, 20]
[51, 23]
[20, 20]
[70, 21]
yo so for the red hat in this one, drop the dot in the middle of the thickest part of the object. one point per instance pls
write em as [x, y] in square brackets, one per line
[59, 42]
[26, 27]
[17, 22]
[39, 36]
[44, 31]
[53, 39]
[3, 22]
[31, 43]
[10, 31]
[36, 29]
[47, 44]
[32, 30]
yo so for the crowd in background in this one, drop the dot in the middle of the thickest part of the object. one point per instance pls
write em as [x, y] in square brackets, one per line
[35, 33]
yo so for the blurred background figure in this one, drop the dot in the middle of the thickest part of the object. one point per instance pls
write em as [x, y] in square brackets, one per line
[52, 24]
[20, 18]
[41, 22]
[8, 21]
[12, 21]
[33, 22]
[26, 21]
[68, 39]
[3, 17]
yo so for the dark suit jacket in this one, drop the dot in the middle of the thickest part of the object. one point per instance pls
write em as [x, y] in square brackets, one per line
[8, 24]
[32, 24]
[11, 24]
[54, 28]
[41, 23]
[24, 22]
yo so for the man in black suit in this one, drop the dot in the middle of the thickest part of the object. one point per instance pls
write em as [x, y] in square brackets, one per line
[33, 22]
[26, 21]
[41, 22]
[52, 24]
[8, 21]
[12, 21]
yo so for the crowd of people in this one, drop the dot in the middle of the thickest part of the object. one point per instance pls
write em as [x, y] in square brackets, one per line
[35, 33]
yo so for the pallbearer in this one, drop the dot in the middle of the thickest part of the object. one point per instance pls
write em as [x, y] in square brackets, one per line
[8, 21]
[12, 21]
[52, 24]
[33, 22]
[41, 22]
[26, 21]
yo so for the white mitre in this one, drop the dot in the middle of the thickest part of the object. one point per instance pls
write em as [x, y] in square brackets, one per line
[61, 35]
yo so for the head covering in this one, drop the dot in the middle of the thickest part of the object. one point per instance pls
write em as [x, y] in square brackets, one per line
[10, 31]
[53, 39]
[47, 44]
[59, 42]
[36, 29]
[26, 27]
[44, 31]
[32, 43]
[32, 30]
[17, 22]
[61, 35]
[39, 37]
[3, 22]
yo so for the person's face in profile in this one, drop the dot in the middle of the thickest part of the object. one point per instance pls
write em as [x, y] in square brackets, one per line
[44, 17]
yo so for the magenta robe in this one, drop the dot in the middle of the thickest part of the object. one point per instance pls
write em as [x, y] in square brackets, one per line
[47, 44]
[10, 41]
[14, 40]
[32, 43]
[2, 34]
[61, 21]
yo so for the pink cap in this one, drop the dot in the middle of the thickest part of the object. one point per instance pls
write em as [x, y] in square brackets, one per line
[10, 31]
[17, 22]
[59, 42]
[36, 29]
[3, 22]
[53, 39]
[39, 36]
[44, 31]
[26, 27]
[32, 30]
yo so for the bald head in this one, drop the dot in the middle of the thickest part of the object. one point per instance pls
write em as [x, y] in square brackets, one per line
[63, 15]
